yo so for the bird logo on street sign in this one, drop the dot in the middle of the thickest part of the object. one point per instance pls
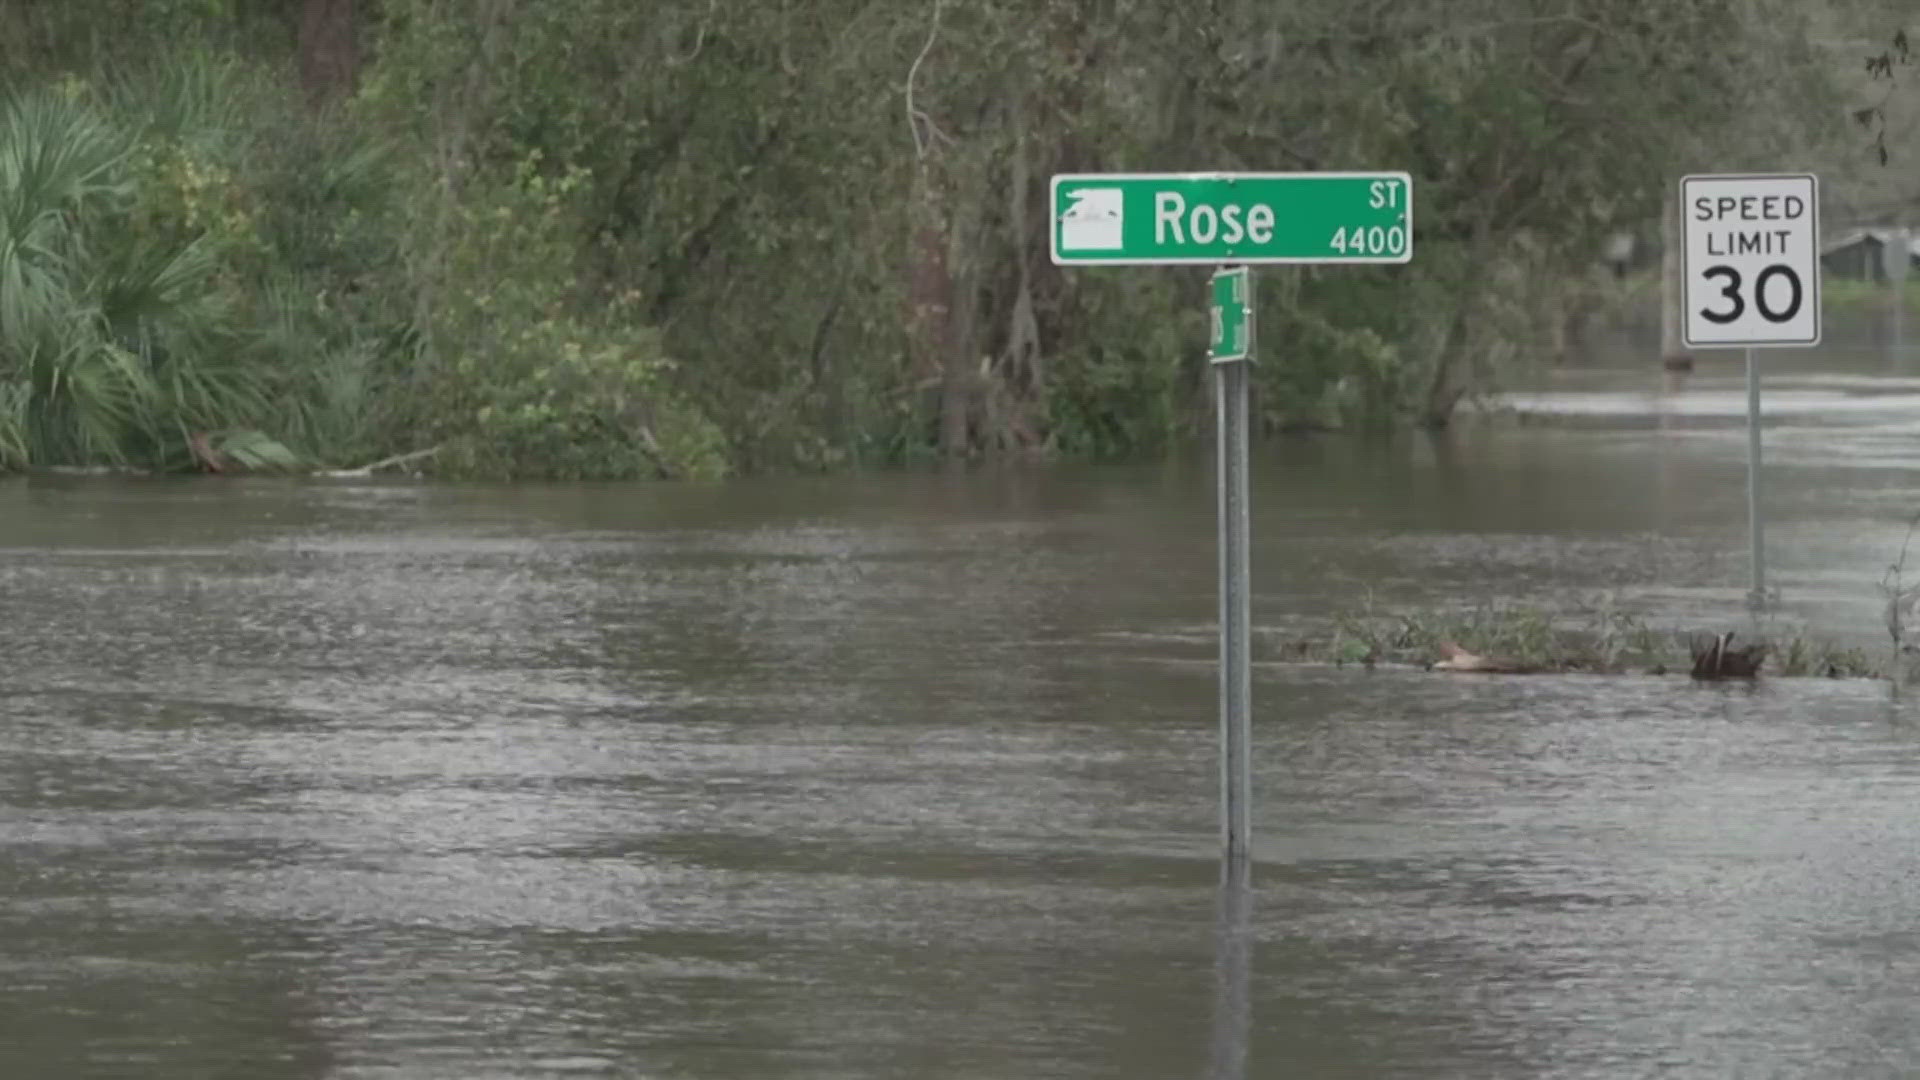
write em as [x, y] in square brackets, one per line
[1093, 221]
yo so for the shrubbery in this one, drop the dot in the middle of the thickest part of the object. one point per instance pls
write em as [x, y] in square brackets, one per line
[531, 376]
[196, 273]
[594, 238]
[119, 334]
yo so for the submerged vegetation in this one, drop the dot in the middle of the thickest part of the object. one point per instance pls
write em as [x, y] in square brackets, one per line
[596, 238]
[1595, 639]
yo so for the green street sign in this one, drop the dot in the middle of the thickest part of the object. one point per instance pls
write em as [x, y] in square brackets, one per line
[1232, 315]
[1156, 219]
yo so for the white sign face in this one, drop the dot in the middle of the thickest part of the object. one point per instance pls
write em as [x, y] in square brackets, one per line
[1751, 261]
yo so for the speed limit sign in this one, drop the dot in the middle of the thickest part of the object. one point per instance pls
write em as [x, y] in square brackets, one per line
[1752, 260]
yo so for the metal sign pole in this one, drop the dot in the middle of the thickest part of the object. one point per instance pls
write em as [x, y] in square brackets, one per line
[1757, 599]
[1236, 728]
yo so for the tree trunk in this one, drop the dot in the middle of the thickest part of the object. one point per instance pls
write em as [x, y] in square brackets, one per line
[1443, 391]
[1673, 351]
[961, 377]
[930, 303]
[329, 50]
[1009, 399]
[957, 380]
[1445, 388]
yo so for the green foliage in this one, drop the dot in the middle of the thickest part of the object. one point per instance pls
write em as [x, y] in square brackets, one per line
[599, 238]
[113, 338]
[328, 292]
[1328, 363]
[42, 36]
[530, 378]
[749, 174]
[226, 266]
[1129, 382]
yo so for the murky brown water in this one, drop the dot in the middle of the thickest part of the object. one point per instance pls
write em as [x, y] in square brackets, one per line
[914, 776]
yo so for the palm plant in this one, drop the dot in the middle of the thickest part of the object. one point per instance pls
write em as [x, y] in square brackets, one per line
[115, 342]
[57, 166]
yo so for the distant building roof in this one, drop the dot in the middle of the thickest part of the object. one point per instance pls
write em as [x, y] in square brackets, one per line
[1849, 237]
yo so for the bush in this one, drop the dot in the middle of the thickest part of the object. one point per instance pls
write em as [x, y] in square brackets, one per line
[524, 372]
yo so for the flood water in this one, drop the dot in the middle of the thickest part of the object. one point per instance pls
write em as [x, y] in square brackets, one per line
[915, 776]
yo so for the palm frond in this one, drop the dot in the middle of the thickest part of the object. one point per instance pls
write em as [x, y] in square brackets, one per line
[257, 451]
[57, 167]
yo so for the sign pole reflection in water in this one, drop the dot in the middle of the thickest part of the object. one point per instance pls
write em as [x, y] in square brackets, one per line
[1232, 353]
[1757, 599]
[1232, 973]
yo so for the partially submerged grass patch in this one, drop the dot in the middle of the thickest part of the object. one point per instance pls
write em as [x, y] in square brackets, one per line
[1804, 656]
[1597, 639]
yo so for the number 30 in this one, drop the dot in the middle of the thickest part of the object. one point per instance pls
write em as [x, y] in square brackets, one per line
[1738, 306]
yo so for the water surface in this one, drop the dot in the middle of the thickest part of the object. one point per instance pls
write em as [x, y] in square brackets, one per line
[914, 775]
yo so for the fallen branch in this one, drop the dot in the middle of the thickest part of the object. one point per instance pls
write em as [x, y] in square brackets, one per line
[383, 463]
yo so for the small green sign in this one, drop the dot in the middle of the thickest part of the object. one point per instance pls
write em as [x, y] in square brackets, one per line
[1232, 315]
[1122, 219]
